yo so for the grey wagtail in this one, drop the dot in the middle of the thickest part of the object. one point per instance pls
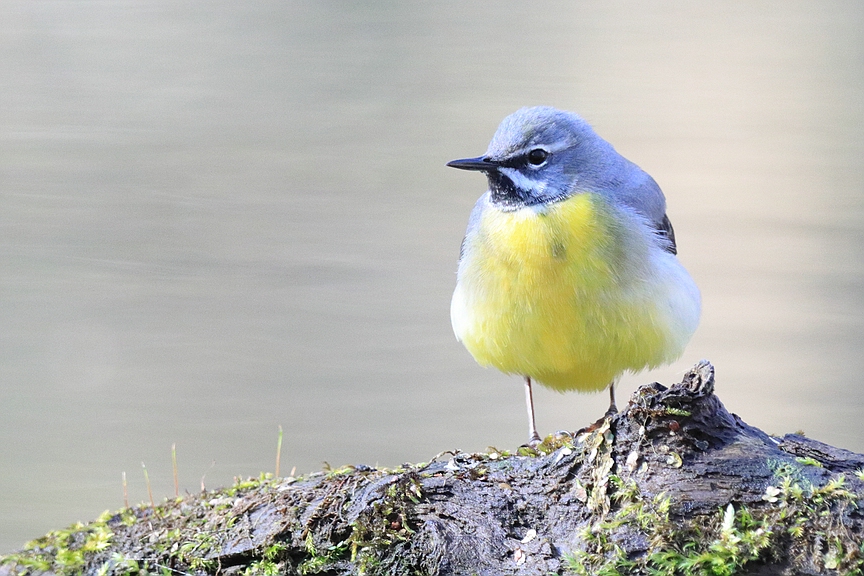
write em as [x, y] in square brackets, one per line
[568, 274]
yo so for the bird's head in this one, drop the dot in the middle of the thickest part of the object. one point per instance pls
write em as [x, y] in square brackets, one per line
[540, 155]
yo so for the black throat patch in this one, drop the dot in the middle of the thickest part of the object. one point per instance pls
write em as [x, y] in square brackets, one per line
[505, 193]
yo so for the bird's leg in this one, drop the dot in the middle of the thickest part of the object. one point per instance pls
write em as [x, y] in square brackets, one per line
[613, 409]
[534, 438]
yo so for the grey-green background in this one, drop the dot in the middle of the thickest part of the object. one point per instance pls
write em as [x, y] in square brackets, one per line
[221, 217]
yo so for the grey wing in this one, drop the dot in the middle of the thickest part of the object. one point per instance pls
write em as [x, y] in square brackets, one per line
[665, 230]
[638, 190]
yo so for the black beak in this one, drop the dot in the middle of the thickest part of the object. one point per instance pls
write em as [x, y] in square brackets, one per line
[480, 163]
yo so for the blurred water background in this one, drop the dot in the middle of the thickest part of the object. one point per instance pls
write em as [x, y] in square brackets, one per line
[221, 217]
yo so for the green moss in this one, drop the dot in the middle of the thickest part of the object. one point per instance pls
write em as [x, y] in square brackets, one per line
[795, 516]
[119, 565]
[384, 525]
[193, 551]
[320, 560]
[244, 485]
[271, 563]
[264, 568]
[63, 551]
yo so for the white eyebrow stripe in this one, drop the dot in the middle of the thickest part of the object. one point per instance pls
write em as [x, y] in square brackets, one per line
[523, 182]
[554, 147]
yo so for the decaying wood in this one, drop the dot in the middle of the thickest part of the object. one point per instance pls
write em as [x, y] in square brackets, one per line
[673, 484]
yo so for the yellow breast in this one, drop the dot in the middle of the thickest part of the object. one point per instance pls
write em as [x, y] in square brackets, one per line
[562, 294]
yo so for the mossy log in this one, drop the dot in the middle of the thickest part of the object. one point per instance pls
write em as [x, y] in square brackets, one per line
[674, 484]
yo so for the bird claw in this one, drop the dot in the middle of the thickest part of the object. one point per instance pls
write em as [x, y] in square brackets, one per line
[592, 427]
[533, 442]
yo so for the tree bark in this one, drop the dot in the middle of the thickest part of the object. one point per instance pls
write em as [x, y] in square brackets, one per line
[674, 484]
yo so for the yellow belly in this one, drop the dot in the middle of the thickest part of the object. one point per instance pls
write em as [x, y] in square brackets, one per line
[562, 295]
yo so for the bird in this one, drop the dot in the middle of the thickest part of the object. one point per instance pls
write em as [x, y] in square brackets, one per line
[568, 272]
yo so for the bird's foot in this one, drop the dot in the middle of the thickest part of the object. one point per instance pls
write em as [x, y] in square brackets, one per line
[596, 425]
[533, 441]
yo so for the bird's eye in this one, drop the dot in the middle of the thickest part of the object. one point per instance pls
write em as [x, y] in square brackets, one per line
[537, 156]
